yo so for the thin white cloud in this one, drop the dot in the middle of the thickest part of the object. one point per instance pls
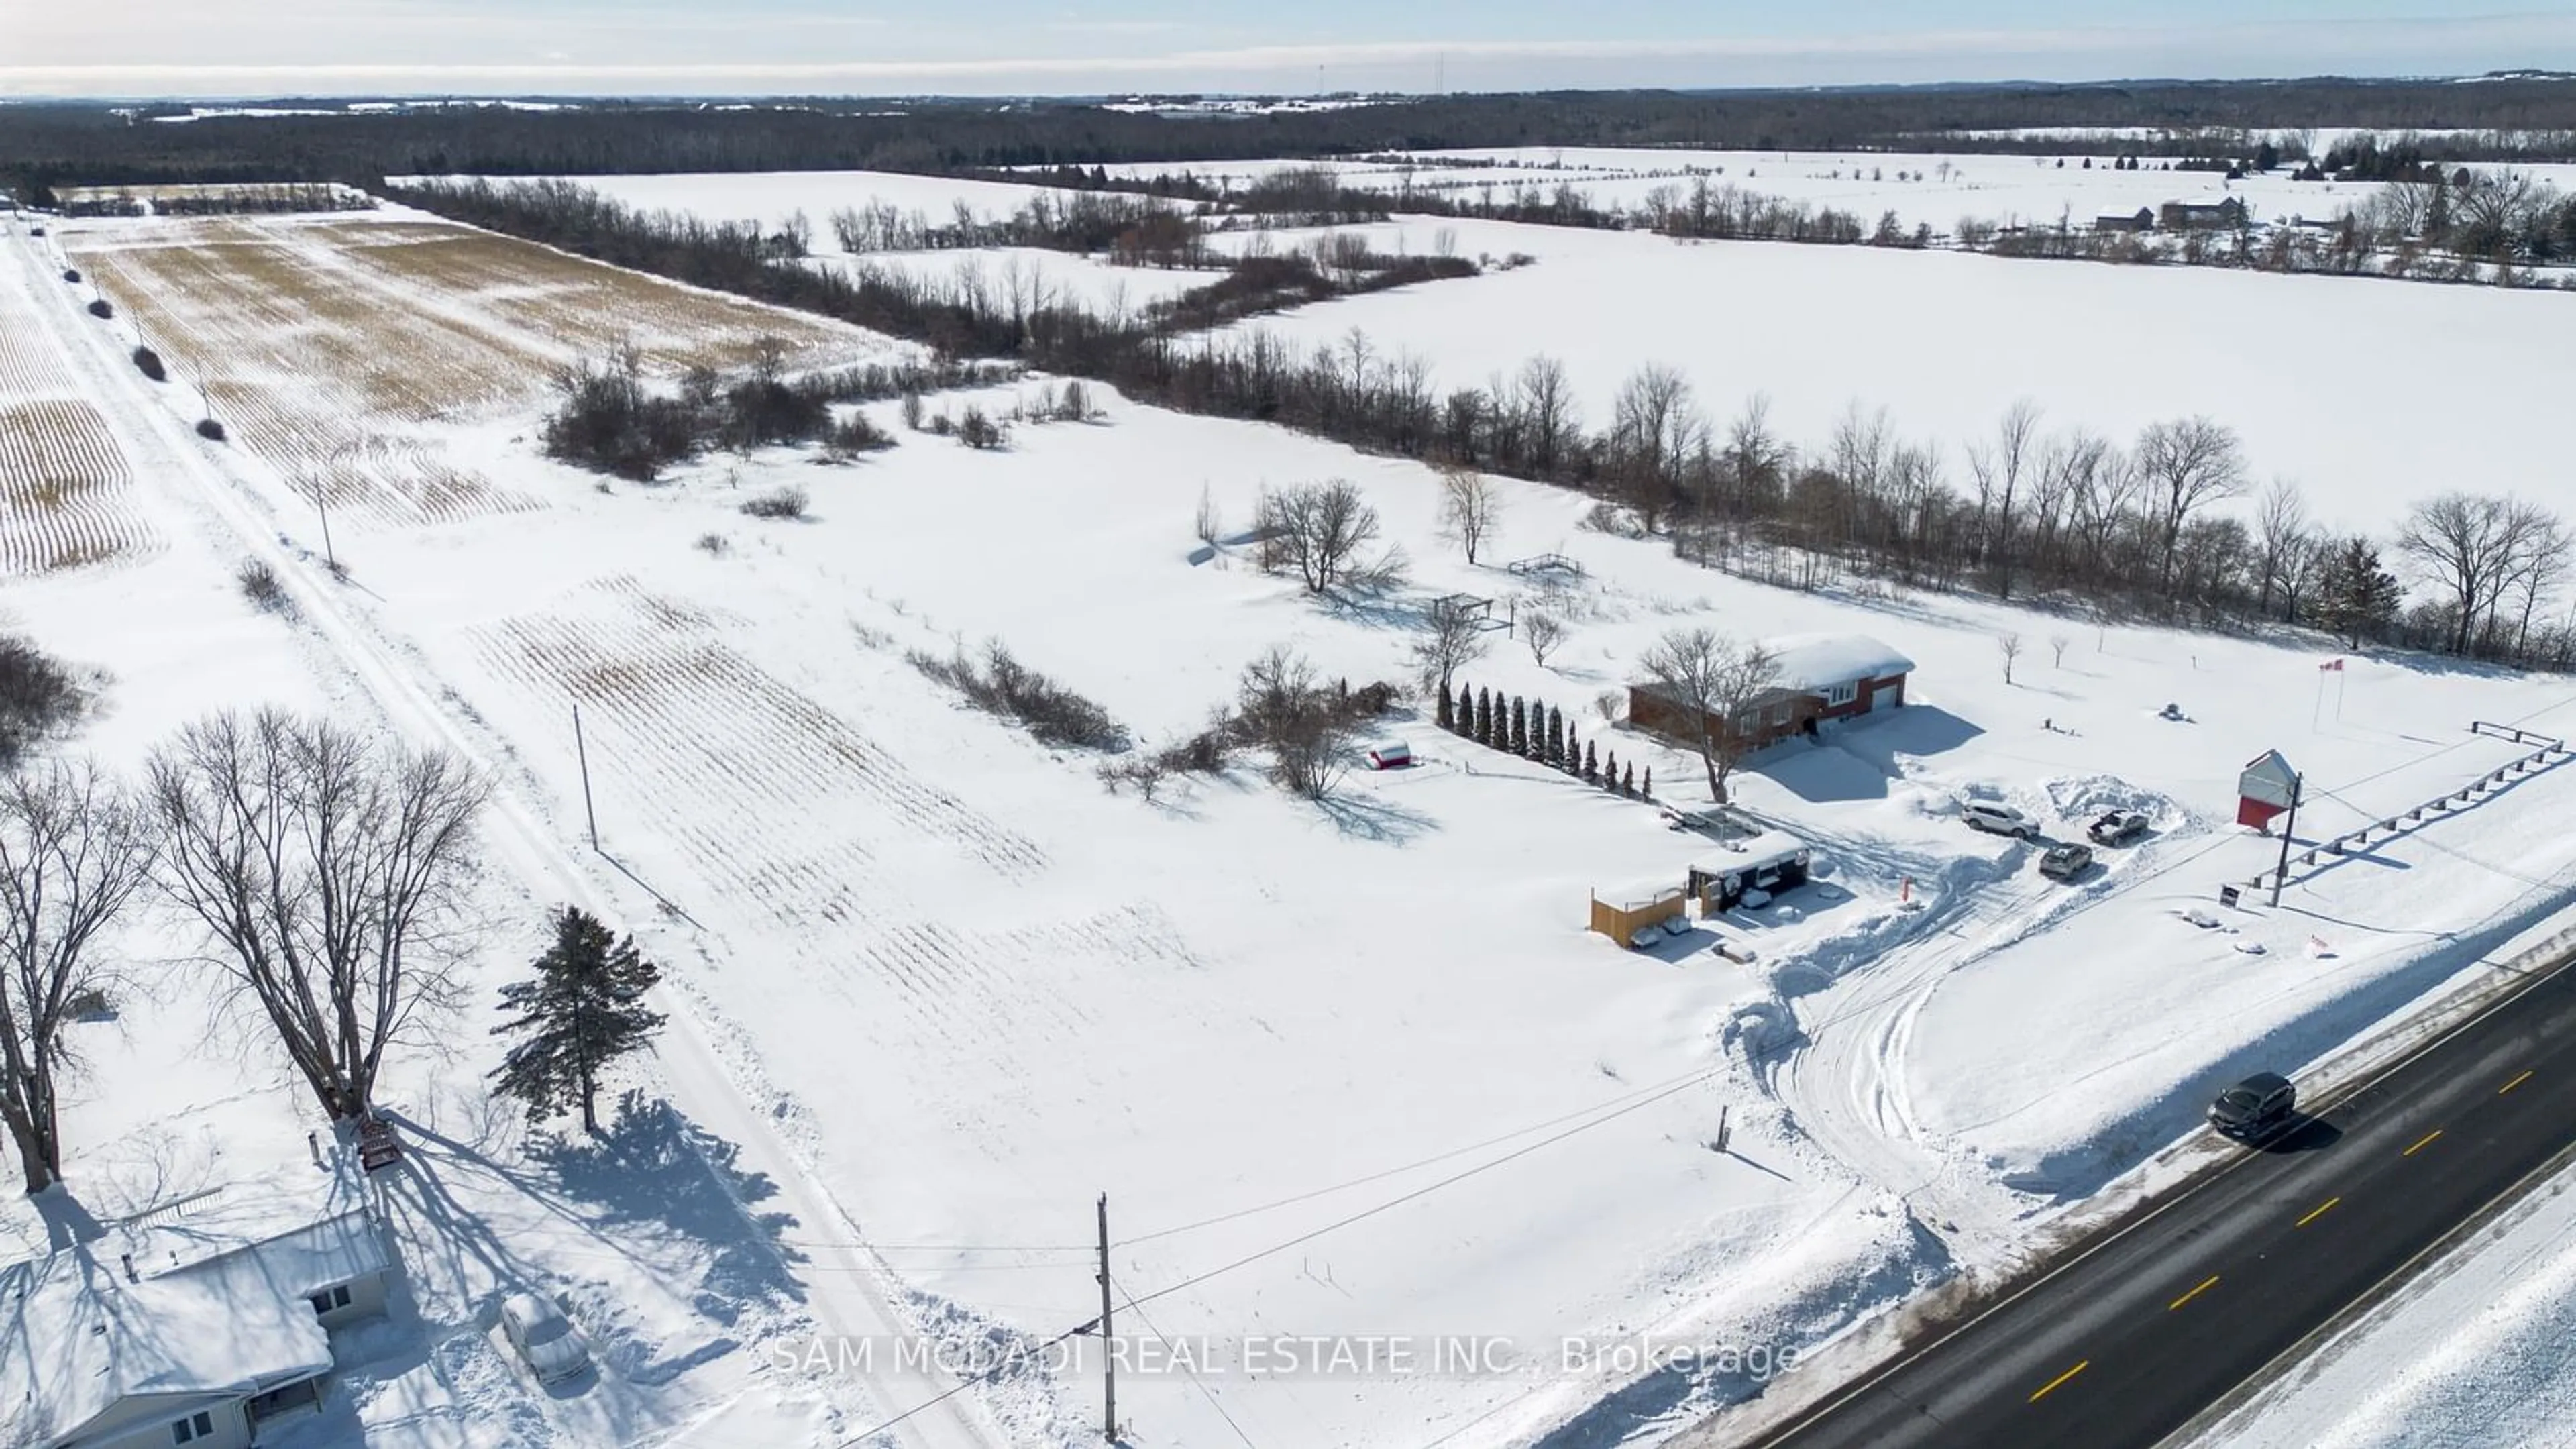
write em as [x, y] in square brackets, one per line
[2058, 52]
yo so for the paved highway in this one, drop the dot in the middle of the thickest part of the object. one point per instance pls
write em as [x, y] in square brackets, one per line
[2129, 1342]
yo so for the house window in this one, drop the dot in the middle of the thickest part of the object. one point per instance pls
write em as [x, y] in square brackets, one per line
[1839, 695]
[199, 1425]
[330, 1299]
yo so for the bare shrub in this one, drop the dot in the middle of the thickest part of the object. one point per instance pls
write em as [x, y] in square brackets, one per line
[210, 430]
[101, 308]
[1542, 632]
[37, 696]
[1075, 405]
[1208, 524]
[786, 502]
[854, 435]
[1002, 685]
[978, 431]
[148, 362]
[1306, 725]
[714, 545]
[260, 585]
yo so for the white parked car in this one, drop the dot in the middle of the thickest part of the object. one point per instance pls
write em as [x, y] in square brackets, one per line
[2000, 819]
[547, 1342]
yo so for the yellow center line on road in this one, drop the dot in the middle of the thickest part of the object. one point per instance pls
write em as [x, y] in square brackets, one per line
[2516, 1082]
[2046, 1388]
[2196, 1292]
[2318, 1211]
[2420, 1146]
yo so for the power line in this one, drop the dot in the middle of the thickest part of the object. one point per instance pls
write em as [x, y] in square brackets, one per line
[1424, 1191]
[1382, 1174]
[1204, 1391]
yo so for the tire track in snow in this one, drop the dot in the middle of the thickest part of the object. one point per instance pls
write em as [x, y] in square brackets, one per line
[849, 1290]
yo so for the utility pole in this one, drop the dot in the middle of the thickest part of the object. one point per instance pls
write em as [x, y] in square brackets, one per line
[582, 752]
[2298, 784]
[1108, 1346]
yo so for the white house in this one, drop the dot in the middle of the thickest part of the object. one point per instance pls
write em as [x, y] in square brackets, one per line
[193, 1324]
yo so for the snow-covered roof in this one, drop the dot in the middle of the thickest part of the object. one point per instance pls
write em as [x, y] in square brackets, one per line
[1819, 661]
[297, 1230]
[76, 1338]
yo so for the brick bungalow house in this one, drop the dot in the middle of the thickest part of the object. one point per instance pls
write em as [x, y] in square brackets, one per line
[1822, 679]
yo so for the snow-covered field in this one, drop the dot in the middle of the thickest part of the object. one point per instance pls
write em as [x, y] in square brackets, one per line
[1352, 1070]
[1930, 188]
[1947, 341]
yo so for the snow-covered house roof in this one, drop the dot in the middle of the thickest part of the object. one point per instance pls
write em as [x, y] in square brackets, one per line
[198, 1302]
[1816, 662]
[77, 1338]
[297, 1230]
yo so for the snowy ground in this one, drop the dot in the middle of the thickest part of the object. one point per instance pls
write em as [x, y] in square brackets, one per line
[1354, 1070]
[2481, 1350]
[1929, 187]
[1946, 341]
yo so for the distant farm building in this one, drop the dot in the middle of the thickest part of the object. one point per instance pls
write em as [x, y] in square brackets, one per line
[1821, 679]
[2201, 213]
[2142, 219]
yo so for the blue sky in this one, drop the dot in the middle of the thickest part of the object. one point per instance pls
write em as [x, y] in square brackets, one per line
[250, 47]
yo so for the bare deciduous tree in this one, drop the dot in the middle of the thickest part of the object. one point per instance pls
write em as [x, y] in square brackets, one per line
[2009, 646]
[1455, 641]
[1317, 531]
[2057, 648]
[327, 871]
[1282, 707]
[2281, 532]
[2003, 470]
[2187, 464]
[1714, 680]
[2466, 546]
[1548, 412]
[1470, 509]
[72, 851]
[1542, 632]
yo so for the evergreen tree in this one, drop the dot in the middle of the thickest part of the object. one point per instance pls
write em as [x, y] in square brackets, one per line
[1573, 762]
[1610, 771]
[1555, 736]
[1484, 717]
[1466, 710]
[1520, 725]
[2357, 597]
[1649, 790]
[584, 1010]
[1628, 781]
[1447, 718]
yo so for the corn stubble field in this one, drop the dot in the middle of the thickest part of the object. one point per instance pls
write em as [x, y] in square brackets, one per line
[336, 350]
[66, 493]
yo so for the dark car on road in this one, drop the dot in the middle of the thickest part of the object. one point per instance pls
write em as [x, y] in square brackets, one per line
[2119, 827]
[2254, 1107]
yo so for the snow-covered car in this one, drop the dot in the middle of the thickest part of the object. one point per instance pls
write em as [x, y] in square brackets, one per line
[2117, 827]
[1999, 819]
[1680, 819]
[2066, 860]
[546, 1341]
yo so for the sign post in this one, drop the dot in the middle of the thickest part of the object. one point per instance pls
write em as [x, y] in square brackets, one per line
[2281, 875]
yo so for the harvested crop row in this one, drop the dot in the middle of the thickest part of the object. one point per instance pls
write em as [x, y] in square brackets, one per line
[66, 499]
